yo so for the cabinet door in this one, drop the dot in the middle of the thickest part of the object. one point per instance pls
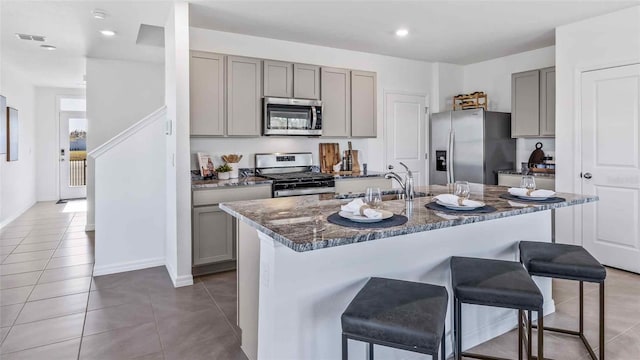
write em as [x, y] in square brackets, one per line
[212, 235]
[525, 104]
[278, 79]
[306, 81]
[363, 104]
[207, 94]
[336, 102]
[244, 92]
[548, 101]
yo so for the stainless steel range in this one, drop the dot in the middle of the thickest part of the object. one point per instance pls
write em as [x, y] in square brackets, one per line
[293, 175]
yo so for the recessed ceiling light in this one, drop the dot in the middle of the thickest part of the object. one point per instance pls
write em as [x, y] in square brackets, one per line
[108, 33]
[99, 14]
[48, 47]
[402, 32]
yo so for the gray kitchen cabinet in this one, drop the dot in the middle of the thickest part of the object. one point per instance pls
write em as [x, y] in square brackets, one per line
[278, 79]
[336, 102]
[548, 101]
[306, 81]
[207, 113]
[533, 103]
[213, 238]
[363, 104]
[244, 94]
[525, 104]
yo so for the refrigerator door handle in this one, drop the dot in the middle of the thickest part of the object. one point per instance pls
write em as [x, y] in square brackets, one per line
[448, 158]
[451, 149]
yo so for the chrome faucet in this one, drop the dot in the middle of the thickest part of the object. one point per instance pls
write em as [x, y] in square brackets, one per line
[406, 185]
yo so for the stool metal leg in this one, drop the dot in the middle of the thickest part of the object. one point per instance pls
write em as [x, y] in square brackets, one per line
[370, 351]
[581, 326]
[602, 320]
[345, 348]
[540, 335]
[458, 328]
[444, 352]
[520, 314]
[529, 340]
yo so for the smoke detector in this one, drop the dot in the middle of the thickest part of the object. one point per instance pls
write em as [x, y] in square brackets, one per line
[30, 37]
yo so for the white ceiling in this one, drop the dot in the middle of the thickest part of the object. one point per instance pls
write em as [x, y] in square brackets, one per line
[459, 32]
[70, 27]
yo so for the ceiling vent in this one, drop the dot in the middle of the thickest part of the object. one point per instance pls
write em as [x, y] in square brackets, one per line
[31, 37]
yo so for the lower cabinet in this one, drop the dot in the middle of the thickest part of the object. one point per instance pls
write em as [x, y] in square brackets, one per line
[213, 235]
[513, 180]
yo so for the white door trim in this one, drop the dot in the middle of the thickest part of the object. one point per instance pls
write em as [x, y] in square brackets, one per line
[76, 192]
[385, 138]
[56, 154]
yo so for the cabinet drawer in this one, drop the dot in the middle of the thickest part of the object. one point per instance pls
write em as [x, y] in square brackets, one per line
[220, 195]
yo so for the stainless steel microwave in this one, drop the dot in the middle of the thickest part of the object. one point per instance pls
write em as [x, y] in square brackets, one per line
[284, 116]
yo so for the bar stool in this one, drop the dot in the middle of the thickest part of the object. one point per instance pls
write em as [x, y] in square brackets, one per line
[398, 314]
[570, 262]
[496, 283]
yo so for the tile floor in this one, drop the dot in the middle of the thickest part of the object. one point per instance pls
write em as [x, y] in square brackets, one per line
[52, 307]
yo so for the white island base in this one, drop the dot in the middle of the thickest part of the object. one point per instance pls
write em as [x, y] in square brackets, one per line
[289, 303]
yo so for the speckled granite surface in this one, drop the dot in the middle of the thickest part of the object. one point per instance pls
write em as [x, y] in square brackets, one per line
[300, 222]
[513, 172]
[360, 175]
[242, 181]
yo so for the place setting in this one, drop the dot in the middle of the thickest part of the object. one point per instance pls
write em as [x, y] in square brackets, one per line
[366, 213]
[528, 194]
[459, 203]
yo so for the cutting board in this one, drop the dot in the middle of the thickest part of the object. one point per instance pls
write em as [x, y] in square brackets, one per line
[329, 156]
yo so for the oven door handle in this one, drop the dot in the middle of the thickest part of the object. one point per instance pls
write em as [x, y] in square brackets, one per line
[314, 116]
[313, 191]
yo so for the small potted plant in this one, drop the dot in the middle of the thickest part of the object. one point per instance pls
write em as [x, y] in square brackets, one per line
[224, 172]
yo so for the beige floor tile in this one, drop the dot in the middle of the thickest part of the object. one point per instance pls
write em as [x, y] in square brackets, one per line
[64, 350]
[70, 261]
[64, 273]
[6, 250]
[10, 241]
[60, 288]
[19, 280]
[76, 250]
[28, 256]
[117, 296]
[45, 332]
[124, 343]
[117, 317]
[49, 245]
[54, 307]
[75, 235]
[15, 295]
[76, 242]
[9, 269]
[41, 238]
[9, 313]
[3, 333]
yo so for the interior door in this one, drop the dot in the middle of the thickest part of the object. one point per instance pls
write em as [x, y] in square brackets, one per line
[405, 133]
[611, 165]
[73, 154]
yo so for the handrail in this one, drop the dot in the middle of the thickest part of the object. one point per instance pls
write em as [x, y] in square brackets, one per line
[131, 130]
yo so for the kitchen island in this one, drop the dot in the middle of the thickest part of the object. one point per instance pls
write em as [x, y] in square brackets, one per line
[297, 272]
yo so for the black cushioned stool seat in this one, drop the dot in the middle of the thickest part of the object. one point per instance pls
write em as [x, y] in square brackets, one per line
[569, 262]
[401, 314]
[496, 283]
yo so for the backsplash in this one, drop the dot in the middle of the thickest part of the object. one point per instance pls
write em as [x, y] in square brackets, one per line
[524, 147]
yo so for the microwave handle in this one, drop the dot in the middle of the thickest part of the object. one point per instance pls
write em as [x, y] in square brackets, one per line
[314, 117]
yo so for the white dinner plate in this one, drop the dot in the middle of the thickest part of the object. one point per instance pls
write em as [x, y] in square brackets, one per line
[532, 197]
[456, 207]
[363, 219]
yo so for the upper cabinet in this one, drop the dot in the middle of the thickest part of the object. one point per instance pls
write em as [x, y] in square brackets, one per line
[336, 102]
[244, 93]
[533, 103]
[306, 81]
[363, 104]
[278, 79]
[207, 111]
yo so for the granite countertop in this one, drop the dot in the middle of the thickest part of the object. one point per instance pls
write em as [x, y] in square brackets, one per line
[293, 221]
[198, 184]
[514, 172]
[361, 174]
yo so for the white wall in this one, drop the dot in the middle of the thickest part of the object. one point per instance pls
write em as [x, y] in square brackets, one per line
[178, 179]
[48, 141]
[119, 94]
[603, 41]
[448, 81]
[130, 202]
[393, 74]
[494, 77]
[17, 178]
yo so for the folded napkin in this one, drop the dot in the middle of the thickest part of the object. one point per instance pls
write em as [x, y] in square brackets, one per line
[358, 207]
[535, 193]
[454, 200]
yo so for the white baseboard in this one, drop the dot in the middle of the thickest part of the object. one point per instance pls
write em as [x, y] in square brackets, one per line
[90, 227]
[127, 266]
[16, 215]
[179, 281]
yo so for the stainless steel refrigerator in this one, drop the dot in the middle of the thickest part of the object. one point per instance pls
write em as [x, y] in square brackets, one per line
[470, 145]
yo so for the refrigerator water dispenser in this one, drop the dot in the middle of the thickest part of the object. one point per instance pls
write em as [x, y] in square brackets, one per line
[441, 160]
